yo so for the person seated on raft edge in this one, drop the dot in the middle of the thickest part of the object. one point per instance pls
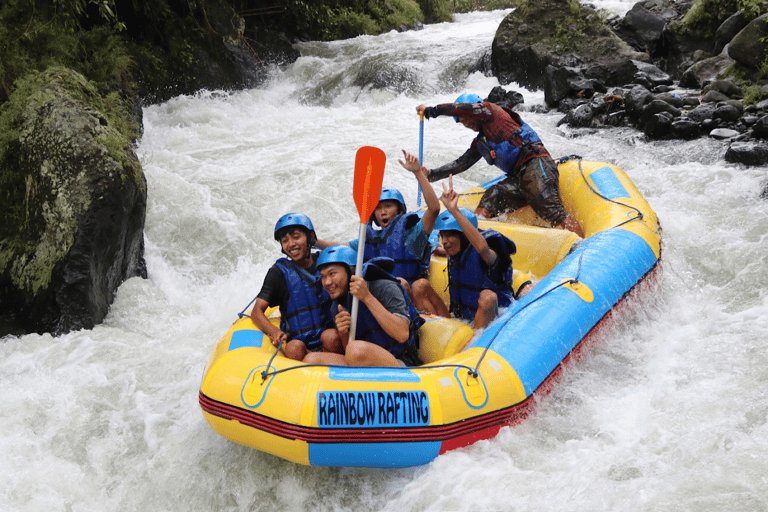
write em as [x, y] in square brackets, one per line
[509, 143]
[387, 321]
[480, 276]
[404, 237]
[293, 285]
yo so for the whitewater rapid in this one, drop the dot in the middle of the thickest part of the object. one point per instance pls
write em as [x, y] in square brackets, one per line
[668, 412]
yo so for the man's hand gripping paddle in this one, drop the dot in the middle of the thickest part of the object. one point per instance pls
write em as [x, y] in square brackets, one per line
[369, 173]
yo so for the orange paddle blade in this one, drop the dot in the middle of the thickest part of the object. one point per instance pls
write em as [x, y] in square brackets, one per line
[369, 173]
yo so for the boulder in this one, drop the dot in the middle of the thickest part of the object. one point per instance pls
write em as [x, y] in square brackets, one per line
[558, 33]
[747, 153]
[642, 29]
[704, 71]
[749, 47]
[74, 232]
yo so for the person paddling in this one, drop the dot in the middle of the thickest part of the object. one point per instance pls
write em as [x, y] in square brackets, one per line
[507, 142]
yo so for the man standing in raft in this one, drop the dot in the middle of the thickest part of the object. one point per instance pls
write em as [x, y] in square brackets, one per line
[387, 321]
[507, 142]
[293, 284]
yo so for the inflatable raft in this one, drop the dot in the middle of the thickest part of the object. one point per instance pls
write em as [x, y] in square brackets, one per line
[472, 384]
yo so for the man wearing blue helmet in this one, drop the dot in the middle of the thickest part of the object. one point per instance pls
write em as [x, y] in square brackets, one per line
[509, 143]
[293, 285]
[386, 320]
[480, 277]
[404, 236]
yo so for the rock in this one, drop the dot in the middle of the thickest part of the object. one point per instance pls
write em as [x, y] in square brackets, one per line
[657, 106]
[509, 99]
[658, 126]
[700, 113]
[760, 128]
[723, 133]
[527, 41]
[581, 116]
[641, 29]
[748, 46]
[704, 71]
[636, 99]
[747, 153]
[764, 194]
[713, 97]
[728, 30]
[685, 128]
[727, 113]
[80, 231]
[726, 87]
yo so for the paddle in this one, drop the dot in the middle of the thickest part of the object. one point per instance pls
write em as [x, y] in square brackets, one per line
[421, 153]
[369, 173]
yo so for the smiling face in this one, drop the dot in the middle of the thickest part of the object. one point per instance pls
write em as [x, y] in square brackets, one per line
[295, 244]
[385, 211]
[335, 279]
[451, 240]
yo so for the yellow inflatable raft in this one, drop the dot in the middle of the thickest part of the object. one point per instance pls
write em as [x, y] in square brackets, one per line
[471, 384]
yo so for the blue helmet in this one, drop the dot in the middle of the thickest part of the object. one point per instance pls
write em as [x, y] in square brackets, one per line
[394, 195]
[467, 97]
[338, 254]
[296, 219]
[446, 221]
[391, 194]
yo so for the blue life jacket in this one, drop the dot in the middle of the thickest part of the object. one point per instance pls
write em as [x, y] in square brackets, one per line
[368, 328]
[466, 278]
[306, 317]
[506, 153]
[390, 243]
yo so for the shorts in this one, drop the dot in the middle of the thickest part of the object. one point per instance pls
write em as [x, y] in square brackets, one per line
[536, 184]
[410, 357]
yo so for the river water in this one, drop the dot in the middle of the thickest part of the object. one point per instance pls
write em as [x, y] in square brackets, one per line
[668, 412]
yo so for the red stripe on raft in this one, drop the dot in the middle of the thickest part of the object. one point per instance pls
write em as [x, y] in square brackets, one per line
[291, 431]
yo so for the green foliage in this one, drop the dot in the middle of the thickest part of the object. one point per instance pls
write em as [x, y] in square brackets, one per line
[752, 95]
[436, 11]
[483, 5]
[752, 8]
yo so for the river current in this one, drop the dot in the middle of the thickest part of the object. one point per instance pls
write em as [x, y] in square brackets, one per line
[668, 412]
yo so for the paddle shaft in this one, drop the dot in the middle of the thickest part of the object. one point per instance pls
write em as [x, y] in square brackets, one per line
[358, 273]
[421, 154]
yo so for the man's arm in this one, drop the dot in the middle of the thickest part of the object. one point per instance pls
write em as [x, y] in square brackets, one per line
[461, 164]
[395, 326]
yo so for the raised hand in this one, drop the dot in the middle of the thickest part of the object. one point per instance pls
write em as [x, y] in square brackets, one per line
[450, 197]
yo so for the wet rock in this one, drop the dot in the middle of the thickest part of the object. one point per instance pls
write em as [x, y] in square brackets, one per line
[525, 44]
[704, 71]
[713, 97]
[747, 153]
[685, 128]
[658, 126]
[727, 113]
[760, 128]
[641, 29]
[725, 87]
[509, 99]
[701, 113]
[81, 232]
[748, 46]
[728, 30]
[636, 99]
[658, 106]
[723, 133]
